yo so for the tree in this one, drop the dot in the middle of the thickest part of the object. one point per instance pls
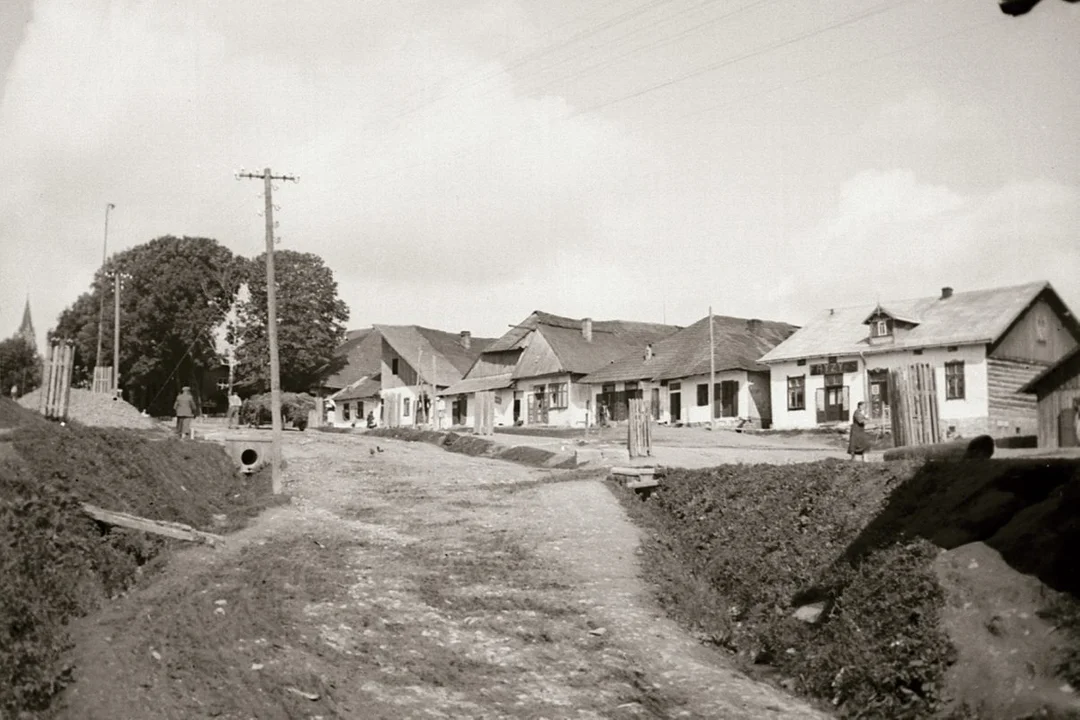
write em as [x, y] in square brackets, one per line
[311, 323]
[175, 294]
[19, 366]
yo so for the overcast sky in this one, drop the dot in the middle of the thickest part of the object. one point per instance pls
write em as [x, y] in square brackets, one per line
[464, 162]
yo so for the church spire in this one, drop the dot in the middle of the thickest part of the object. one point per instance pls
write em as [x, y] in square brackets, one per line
[26, 327]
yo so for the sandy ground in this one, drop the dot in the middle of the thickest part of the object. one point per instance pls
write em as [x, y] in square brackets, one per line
[404, 581]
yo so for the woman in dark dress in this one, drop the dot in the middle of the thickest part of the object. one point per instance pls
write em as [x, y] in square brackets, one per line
[859, 442]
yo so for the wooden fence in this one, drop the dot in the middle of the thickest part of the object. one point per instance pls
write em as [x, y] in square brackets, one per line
[639, 431]
[103, 380]
[485, 412]
[56, 380]
[913, 403]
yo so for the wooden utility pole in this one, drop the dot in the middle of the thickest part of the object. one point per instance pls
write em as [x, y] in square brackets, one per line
[271, 322]
[712, 374]
[101, 306]
[116, 332]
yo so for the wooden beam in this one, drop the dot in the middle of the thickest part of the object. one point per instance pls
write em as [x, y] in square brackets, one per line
[157, 527]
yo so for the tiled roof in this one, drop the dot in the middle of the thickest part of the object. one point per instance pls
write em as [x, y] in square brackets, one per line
[451, 359]
[975, 317]
[611, 339]
[471, 385]
[366, 387]
[359, 356]
[737, 342]
[1055, 374]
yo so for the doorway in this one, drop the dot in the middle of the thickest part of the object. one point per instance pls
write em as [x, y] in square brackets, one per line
[675, 405]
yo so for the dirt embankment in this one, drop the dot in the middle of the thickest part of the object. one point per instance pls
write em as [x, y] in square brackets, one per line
[58, 563]
[468, 444]
[829, 576]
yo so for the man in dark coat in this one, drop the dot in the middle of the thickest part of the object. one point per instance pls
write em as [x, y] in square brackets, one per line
[185, 411]
[859, 442]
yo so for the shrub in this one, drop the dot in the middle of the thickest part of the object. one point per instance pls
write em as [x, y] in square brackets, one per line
[295, 407]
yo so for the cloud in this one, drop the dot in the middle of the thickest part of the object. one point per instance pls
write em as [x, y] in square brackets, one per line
[892, 235]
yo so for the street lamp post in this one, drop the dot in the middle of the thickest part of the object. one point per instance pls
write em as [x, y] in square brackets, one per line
[101, 308]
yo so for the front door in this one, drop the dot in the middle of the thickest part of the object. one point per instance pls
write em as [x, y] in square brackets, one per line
[832, 400]
[879, 394]
[675, 402]
[517, 409]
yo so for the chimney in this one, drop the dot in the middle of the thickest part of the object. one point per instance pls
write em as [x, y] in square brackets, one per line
[648, 351]
[753, 325]
[946, 293]
[586, 329]
[466, 339]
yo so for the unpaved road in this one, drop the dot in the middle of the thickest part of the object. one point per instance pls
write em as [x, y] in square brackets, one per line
[409, 583]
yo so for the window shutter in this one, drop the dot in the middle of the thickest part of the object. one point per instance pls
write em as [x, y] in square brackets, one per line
[846, 398]
[735, 398]
[819, 397]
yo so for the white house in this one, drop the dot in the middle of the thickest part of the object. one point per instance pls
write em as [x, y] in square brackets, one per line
[534, 371]
[983, 346]
[417, 365]
[673, 374]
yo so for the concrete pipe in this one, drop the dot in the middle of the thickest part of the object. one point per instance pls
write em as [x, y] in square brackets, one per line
[977, 448]
[248, 454]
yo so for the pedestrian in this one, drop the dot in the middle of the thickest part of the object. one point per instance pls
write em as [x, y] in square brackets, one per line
[370, 419]
[859, 442]
[184, 407]
[233, 415]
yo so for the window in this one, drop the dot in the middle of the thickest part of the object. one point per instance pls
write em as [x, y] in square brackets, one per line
[405, 411]
[832, 359]
[607, 388]
[674, 386]
[393, 369]
[951, 348]
[917, 352]
[702, 395]
[881, 328]
[954, 380]
[559, 398]
[836, 380]
[345, 411]
[796, 393]
[801, 363]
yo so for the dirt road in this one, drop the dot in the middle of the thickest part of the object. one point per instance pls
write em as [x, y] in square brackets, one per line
[409, 582]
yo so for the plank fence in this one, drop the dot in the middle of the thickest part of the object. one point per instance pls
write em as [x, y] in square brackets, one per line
[56, 380]
[913, 403]
[485, 412]
[103, 380]
[639, 430]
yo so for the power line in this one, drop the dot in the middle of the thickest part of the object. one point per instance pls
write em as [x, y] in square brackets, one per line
[885, 7]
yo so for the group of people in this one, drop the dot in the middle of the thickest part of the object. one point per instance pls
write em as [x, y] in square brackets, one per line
[185, 409]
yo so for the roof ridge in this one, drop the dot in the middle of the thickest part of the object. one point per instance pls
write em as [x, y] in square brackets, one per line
[997, 288]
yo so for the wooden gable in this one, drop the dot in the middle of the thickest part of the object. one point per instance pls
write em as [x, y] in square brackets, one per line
[538, 359]
[1044, 333]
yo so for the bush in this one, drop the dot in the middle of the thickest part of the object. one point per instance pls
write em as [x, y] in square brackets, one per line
[256, 410]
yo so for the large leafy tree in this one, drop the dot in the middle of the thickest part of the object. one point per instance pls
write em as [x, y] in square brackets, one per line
[19, 366]
[311, 323]
[175, 293]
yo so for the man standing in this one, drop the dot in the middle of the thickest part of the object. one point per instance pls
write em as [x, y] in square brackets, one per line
[234, 409]
[184, 408]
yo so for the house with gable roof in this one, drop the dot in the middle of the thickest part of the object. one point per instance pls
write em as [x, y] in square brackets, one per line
[535, 369]
[673, 374]
[418, 363]
[984, 346]
[408, 362]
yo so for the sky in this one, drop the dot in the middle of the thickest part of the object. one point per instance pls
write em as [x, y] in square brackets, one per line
[464, 163]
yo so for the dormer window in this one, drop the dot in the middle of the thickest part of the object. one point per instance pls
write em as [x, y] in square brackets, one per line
[881, 328]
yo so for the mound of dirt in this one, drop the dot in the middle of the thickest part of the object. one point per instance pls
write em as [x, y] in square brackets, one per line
[1006, 651]
[98, 410]
[14, 415]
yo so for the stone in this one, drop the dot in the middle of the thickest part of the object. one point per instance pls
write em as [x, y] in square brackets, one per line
[809, 613]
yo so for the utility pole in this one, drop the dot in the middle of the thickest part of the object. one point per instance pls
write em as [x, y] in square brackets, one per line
[271, 321]
[101, 307]
[712, 374]
[116, 332]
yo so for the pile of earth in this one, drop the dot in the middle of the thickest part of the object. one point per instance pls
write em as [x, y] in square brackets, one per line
[881, 590]
[468, 444]
[58, 563]
[98, 410]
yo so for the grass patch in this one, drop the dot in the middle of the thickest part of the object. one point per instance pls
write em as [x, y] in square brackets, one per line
[734, 550]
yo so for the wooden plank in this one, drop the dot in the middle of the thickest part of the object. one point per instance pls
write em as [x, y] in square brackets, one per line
[633, 471]
[643, 484]
[157, 527]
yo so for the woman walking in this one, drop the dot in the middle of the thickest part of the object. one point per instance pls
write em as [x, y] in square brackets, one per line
[859, 442]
